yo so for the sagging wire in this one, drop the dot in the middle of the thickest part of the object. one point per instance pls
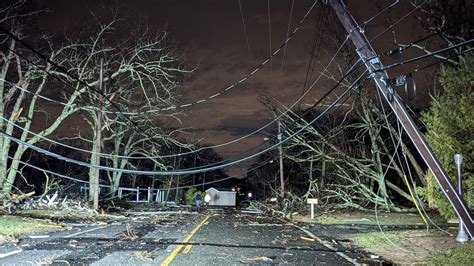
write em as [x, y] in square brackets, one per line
[411, 60]
[287, 32]
[415, 201]
[212, 96]
[376, 202]
[313, 50]
[275, 144]
[270, 34]
[388, 125]
[254, 132]
[380, 12]
[397, 52]
[171, 188]
[420, 202]
[212, 146]
[398, 21]
[184, 172]
[245, 31]
[119, 112]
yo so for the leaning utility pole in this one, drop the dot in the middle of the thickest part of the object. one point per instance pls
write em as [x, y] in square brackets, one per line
[98, 139]
[280, 151]
[380, 77]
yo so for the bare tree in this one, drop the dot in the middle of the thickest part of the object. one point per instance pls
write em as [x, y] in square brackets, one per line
[450, 21]
[142, 73]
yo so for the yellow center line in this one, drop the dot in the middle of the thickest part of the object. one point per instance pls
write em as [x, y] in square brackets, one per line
[175, 252]
[187, 249]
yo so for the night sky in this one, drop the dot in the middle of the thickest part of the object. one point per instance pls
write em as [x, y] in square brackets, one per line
[212, 35]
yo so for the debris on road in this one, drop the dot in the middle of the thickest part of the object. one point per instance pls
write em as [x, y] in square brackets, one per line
[257, 224]
[129, 233]
[259, 259]
[356, 220]
[143, 255]
[308, 239]
[284, 242]
[39, 236]
[151, 213]
[252, 211]
[4, 255]
[52, 202]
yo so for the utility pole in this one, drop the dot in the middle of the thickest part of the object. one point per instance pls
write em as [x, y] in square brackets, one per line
[176, 199]
[98, 138]
[280, 151]
[382, 81]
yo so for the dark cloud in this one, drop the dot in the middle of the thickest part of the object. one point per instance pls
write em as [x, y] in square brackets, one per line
[211, 32]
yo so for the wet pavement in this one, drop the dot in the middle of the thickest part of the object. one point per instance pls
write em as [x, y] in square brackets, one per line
[210, 238]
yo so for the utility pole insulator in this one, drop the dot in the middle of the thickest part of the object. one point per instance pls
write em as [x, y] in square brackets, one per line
[395, 53]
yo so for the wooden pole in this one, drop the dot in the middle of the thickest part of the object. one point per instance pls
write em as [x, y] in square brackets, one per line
[280, 151]
[98, 138]
[375, 68]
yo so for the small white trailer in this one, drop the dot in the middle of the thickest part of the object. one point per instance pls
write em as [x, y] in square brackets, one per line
[221, 197]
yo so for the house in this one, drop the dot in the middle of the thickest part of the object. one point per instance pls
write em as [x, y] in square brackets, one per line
[221, 197]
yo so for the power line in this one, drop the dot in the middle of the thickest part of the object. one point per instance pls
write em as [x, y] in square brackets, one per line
[245, 30]
[398, 51]
[312, 53]
[398, 21]
[440, 61]
[309, 90]
[256, 69]
[76, 78]
[321, 24]
[425, 55]
[220, 145]
[230, 142]
[287, 32]
[381, 11]
[171, 107]
[270, 33]
[313, 105]
[183, 172]
[110, 186]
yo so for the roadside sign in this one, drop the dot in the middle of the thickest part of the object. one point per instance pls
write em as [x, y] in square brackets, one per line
[312, 201]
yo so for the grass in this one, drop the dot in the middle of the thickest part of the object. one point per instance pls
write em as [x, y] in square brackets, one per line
[12, 226]
[69, 215]
[385, 218]
[377, 239]
[460, 255]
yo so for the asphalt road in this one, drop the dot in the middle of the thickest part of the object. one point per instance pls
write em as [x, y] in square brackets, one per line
[210, 238]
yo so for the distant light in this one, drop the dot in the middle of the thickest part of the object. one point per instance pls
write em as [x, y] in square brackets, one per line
[249, 194]
[207, 198]
[233, 189]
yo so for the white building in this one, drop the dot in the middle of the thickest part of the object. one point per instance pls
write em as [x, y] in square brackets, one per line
[221, 198]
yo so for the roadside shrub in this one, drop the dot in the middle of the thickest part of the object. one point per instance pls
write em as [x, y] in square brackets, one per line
[450, 130]
[190, 195]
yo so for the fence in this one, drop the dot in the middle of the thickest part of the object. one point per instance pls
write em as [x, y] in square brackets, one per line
[156, 195]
